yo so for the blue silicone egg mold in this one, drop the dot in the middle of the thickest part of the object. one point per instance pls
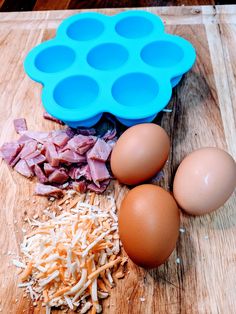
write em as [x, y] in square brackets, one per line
[123, 64]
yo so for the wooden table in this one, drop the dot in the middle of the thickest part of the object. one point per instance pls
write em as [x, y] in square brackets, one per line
[204, 114]
[35, 5]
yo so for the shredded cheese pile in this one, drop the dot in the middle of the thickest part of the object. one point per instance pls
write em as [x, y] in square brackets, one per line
[71, 259]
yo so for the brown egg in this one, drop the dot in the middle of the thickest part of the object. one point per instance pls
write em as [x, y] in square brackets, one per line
[149, 222]
[140, 153]
[204, 180]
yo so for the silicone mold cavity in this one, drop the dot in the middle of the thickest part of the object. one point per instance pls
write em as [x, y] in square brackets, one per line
[76, 92]
[123, 64]
[107, 56]
[85, 29]
[134, 27]
[54, 59]
[135, 89]
[162, 54]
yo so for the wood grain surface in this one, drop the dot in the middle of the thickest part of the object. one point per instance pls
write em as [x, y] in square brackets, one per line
[204, 114]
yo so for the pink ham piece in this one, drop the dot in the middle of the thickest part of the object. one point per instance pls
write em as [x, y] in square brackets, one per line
[51, 154]
[29, 148]
[90, 131]
[37, 159]
[93, 187]
[47, 116]
[78, 172]
[112, 143]
[40, 175]
[48, 190]
[38, 136]
[48, 169]
[84, 171]
[79, 186]
[72, 172]
[100, 151]
[20, 125]
[23, 139]
[109, 135]
[81, 143]
[58, 176]
[15, 160]
[69, 156]
[22, 168]
[70, 132]
[98, 171]
[9, 151]
[60, 138]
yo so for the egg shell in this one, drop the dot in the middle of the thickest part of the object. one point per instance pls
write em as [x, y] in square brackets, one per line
[140, 152]
[204, 180]
[149, 221]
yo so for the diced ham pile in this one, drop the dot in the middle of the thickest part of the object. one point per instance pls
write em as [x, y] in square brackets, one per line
[61, 159]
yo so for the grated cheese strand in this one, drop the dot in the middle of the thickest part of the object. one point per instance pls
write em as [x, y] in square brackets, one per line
[97, 240]
[80, 283]
[54, 275]
[104, 267]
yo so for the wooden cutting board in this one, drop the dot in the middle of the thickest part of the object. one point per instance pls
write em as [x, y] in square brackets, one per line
[203, 114]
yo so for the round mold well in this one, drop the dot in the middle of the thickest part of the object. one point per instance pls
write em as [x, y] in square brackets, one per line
[107, 56]
[85, 29]
[162, 54]
[76, 92]
[135, 89]
[134, 27]
[54, 59]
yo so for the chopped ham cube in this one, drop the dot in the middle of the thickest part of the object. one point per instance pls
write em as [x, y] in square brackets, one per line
[93, 187]
[81, 143]
[39, 174]
[47, 190]
[36, 160]
[40, 137]
[58, 176]
[71, 157]
[52, 155]
[83, 171]
[15, 160]
[72, 172]
[9, 151]
[98, 171]
[29, 148]
[20, 125]
[100, 151]
[23, 139]
[60, 139]
[48, 169]
[23, 168]
[79, 186]
[109, 135]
